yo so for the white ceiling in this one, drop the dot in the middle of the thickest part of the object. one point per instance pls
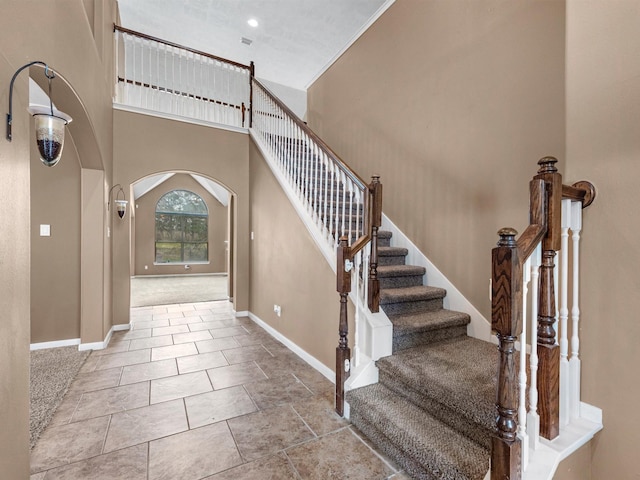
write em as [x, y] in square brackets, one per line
[294, 42]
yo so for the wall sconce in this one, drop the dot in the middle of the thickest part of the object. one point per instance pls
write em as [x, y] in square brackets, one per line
[121, 205]
[49, 126]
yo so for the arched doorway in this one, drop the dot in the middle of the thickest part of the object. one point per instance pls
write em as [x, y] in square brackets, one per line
[181, 239]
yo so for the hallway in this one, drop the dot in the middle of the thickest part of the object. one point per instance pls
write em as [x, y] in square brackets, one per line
[192, 392]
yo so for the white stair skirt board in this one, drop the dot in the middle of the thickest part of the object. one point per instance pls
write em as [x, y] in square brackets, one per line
[105, 343]
[55, 344]
[479, 327]
[310, 359]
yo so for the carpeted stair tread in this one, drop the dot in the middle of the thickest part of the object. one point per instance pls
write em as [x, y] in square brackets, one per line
[411, 294]
[459, 373]
[426, 321]
[400, 270]
[419, 438]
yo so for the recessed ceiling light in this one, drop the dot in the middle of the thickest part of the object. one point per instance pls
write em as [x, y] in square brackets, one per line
[252, 22]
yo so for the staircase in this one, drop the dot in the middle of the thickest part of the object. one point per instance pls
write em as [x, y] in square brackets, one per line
[433, 410]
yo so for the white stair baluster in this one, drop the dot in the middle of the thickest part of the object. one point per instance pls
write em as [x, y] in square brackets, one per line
[522, 374]
[533, 419]
[574, 361]
[564, 312]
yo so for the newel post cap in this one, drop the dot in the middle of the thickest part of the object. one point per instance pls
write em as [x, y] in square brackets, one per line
[507, 237]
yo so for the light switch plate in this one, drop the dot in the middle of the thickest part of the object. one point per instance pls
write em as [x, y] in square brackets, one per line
[45, 230]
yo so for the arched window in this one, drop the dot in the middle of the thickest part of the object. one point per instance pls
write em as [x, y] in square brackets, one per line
[181, 228]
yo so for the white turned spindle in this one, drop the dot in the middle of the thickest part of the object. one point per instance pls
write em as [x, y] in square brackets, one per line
[333, 205]
[533, 419]
[574, 361]
[522, 374]
[564, 312]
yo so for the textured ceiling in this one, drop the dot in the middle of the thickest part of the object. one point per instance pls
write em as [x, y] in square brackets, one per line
[294, 42]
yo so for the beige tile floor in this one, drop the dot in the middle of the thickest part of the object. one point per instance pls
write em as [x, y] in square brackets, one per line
[192, 392]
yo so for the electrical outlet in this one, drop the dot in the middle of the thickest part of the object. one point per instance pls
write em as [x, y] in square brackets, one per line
[277, 309]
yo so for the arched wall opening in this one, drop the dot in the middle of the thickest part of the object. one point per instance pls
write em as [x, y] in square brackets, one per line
[144, 146]
[214, 265]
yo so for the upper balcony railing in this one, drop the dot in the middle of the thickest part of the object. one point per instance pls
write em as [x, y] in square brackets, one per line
[160, 76]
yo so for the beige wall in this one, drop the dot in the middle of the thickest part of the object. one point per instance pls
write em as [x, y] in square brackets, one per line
[145, 145]
[452, 103]
[14, 282]
[70, 49]
[145, 228]
[288, 269]
[603, 145]
[577, 466]
[453, 114]
[55, 260]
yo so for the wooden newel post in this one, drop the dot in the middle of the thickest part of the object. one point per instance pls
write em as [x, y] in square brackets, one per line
[376, 221]
[548, 349]
[343, 352]
[506, 321]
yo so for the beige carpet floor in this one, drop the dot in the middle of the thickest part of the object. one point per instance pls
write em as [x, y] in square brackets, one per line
[148, 291]
[52, 371]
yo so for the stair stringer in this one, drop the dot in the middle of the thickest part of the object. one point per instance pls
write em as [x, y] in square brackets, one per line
[479, 327]
[374, 331]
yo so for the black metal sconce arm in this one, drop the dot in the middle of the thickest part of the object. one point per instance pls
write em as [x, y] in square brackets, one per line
[10, 114]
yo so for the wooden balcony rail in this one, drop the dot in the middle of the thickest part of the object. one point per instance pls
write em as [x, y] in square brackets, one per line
[162, 76]
[346, 209]
[514, 264]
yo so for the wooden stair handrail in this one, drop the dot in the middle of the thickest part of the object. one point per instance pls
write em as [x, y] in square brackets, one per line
[305, 128]
[508, 258]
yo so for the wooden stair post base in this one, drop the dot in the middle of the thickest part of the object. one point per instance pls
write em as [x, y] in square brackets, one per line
[509, 456]
[549, 390]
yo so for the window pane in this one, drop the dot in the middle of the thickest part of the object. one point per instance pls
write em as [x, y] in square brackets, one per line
[195, 229]
[168, 252]
[195, 252]
[168, 227]
[181, 201]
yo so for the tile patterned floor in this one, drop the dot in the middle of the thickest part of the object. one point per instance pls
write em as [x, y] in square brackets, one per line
[192, 392]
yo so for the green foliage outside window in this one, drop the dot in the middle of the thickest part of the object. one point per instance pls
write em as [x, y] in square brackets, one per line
[181, 228]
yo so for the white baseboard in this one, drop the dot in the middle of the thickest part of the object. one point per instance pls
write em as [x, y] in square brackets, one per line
[105, 343]
[307, 357]
[243, 313]
[55, 344]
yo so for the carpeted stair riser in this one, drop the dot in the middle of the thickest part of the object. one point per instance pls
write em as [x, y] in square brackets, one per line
[404, 461]
[391, 256]
[400, 282]
[414, 438]
[410, 340]
[427, 327]
[384, 238]
[397, 301]
[471, 430]
[411, 307]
